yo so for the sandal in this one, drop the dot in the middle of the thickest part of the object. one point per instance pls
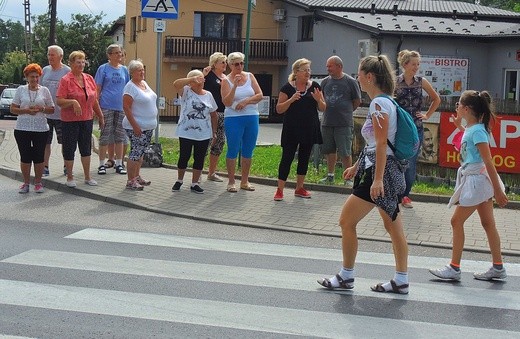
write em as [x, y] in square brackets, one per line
[110, 163]
[247, 187]
[401, 289]
[101, 170]
[231, 188]
[343, 284]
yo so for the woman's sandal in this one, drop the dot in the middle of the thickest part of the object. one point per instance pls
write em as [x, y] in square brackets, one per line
[247, 187]
[401, 289]
[343, 284]
[110, 163]
[231, 188]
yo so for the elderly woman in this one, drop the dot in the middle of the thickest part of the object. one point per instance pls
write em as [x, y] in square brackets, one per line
[214, 75]
[31, 103]
[78, 99]
[198, 109]
[140, 106]
[299, 99]
[240, 94]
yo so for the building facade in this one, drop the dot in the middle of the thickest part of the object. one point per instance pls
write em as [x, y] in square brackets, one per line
[464, 46]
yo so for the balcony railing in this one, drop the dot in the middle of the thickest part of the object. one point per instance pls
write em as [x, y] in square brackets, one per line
[259, 50]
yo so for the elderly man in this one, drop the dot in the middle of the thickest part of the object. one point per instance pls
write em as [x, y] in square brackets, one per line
[50, 78]
[342, 96]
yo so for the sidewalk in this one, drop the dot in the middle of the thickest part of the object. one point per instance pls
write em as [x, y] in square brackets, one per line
[428, 223]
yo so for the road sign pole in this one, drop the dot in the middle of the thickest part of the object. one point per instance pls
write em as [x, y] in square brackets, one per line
[158, 62]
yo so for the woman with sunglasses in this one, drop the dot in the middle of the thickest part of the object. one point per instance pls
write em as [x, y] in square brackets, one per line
[300, 98]
[241, 95]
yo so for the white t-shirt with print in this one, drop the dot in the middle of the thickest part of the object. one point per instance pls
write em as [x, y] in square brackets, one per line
[195, 118]
[24, 99]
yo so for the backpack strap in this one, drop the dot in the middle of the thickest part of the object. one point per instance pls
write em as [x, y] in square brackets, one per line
[392, 147]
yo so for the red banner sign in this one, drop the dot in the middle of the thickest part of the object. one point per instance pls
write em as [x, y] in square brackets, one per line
[504, 143]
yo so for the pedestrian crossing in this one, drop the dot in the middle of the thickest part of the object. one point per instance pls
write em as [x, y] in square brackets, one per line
[269, 317]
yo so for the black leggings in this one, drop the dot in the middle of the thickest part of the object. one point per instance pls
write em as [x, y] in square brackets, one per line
[199, 147]
[31, 146]
[288, 151]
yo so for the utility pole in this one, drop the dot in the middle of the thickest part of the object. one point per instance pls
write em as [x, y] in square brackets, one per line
[28, 37]
[52, 27]
[248, 28]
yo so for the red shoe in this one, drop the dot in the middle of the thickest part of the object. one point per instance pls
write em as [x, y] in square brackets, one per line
[278, 196]
[302, 193]
[407, 202]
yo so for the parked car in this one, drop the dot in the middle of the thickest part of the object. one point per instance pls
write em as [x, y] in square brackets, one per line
[5, 102]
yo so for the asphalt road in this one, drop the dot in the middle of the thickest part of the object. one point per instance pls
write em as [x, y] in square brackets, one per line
[77, 268]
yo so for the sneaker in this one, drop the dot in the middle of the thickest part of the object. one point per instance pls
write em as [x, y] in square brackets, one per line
[134, 185]
[46, 171]
[214, 177]
[120, 169]
[196, 189]
[177, 186]
[302, 193]
[71, 183]
[91, 182]
[406, 202]
[447, 272]
[328, 180]
[348, 183]
[491, 274]
[278, 196]
[38, 188]
[24, 188]
[143, 182]
[101, 170]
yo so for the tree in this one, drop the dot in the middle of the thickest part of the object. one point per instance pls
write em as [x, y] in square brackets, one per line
[84, 32]
[11, 37]
[510, 5]
[12, 66]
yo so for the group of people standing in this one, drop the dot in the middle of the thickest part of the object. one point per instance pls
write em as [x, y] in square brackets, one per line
[65, 99]
[216, 106]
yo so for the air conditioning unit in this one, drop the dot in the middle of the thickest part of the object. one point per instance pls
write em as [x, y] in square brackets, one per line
[367, 47]
[280, 15]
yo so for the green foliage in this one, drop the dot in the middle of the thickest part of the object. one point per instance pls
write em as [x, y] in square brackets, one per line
[12, 67]
[266, 160]
[11, 37]
[84, 32]
[509, 5]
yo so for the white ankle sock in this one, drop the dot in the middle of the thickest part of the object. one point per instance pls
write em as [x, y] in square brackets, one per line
[119, 162]
[344, 273]
[400, 278]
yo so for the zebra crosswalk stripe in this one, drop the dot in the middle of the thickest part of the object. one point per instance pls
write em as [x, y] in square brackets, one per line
[226, 314]
[221, 314]
[233, 246]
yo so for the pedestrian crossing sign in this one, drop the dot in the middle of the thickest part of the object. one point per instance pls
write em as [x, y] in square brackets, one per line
[160, 9]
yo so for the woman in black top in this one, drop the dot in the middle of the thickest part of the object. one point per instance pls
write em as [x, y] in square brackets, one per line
[214, 74]
[299, 99]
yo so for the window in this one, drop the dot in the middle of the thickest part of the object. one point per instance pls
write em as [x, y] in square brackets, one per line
[133, 29]
[512, 82]
[305, 28]
[217, 25]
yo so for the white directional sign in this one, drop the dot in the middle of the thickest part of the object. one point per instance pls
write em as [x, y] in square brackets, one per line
[160, 9]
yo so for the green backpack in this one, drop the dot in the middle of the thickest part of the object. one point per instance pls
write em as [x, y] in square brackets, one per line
[406, 143]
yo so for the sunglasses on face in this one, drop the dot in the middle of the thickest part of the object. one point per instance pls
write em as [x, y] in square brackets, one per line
[236, 64]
